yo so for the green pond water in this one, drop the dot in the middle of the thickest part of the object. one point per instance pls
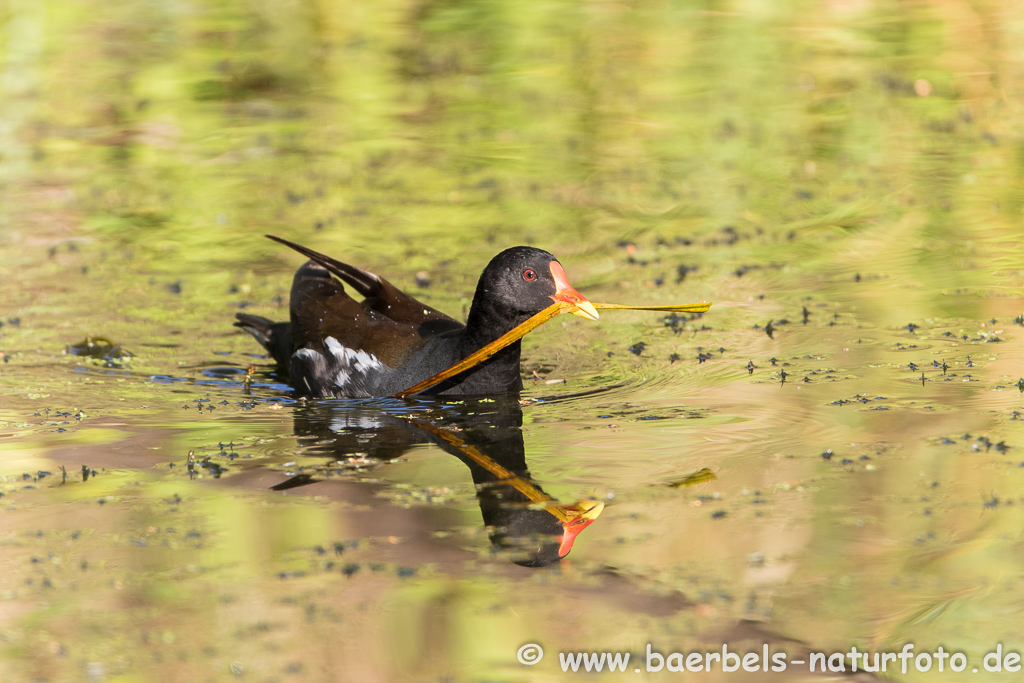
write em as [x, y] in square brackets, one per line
[846, 174]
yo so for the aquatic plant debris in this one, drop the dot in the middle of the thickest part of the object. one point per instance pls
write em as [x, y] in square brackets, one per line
[97, 347]
[701, 476]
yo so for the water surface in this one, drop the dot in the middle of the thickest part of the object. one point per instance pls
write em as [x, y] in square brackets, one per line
[846, 173]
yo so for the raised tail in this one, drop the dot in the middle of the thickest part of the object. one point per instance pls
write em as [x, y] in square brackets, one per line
[276, 338]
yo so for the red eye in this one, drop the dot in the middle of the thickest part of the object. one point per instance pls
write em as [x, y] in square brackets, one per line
[529, 275]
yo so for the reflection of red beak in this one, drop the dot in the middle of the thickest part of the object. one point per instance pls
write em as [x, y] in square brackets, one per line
[567, 293]
[581, 518]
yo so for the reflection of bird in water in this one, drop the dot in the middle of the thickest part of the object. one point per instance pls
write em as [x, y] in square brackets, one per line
[337, 346]
[486, 435]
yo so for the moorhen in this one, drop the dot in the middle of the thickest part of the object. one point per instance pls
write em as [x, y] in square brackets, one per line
[335, 346]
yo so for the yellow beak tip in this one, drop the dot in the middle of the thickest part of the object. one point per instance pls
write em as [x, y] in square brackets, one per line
[594, 508]
[585, 309]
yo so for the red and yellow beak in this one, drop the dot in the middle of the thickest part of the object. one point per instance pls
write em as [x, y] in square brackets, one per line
[580, 516]
[567, 293]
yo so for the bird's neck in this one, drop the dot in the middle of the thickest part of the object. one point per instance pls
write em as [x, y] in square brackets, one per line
[483, 326]
[499, 373]
[486, 323]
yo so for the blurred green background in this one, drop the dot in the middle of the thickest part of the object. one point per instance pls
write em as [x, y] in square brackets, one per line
[850, 170]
